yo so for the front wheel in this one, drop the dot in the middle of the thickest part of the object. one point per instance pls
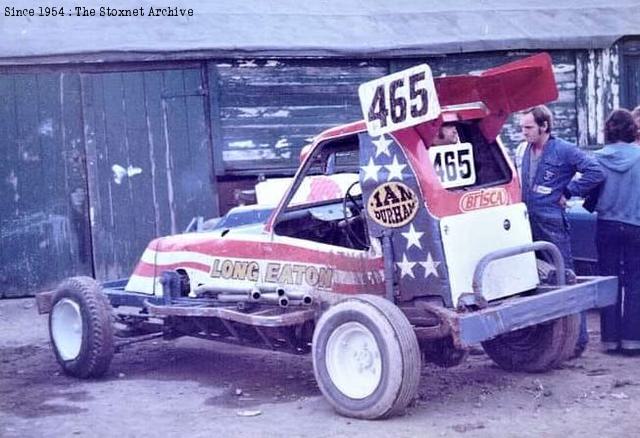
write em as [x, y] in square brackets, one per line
[366, 358]
[537, 348]
[80, 328]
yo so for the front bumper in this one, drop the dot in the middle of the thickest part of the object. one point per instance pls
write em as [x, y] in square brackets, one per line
[546, 304]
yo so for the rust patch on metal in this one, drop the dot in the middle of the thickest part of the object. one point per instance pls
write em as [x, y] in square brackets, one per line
[264, 319]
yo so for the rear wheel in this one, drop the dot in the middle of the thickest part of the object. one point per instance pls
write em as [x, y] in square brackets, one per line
[537, 348]
[80, 328]
[366, 358]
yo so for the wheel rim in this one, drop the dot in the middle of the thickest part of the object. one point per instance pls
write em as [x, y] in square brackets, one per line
[353, 360]
[66, 328]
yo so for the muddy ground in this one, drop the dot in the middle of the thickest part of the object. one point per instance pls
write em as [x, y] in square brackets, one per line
[194, 388]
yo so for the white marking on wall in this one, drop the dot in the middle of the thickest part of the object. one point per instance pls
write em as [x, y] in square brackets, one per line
[279, 113]
[46, 128]
[247, 63]
[119, 172]
[253, 154]
[169, 167]
[282, 143]
[12, 179]
[242, 144]
[602, 92]
[152, 160]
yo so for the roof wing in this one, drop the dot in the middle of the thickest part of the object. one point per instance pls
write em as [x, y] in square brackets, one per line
[504, 90]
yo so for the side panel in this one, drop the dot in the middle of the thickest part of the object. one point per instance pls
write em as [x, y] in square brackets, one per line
[386, 177]
[470, 236]
[242, 260]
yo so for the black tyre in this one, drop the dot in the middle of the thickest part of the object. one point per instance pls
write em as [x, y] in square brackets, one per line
[572, 332]
[366, 358]
[80, 328]
[537, 348]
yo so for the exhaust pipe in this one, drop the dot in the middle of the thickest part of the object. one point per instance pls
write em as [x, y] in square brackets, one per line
[303, 297]
[232, 298]
[226, 289]
[255, 295]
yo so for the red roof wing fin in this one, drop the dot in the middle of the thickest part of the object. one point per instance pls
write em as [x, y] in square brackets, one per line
[504, 90]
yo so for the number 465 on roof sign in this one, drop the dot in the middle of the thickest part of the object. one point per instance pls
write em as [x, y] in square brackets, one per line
[399, 100]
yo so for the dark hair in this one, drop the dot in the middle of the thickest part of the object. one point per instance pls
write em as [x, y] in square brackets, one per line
[620, 127]
[541, 114]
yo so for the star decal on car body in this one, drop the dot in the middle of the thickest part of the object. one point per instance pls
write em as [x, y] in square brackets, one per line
[406, 267]
[395, 169]
[430, 267]
[371, 170]
[413, 237]
[382, 146]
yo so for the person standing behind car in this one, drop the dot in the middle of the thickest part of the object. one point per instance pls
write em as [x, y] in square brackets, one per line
[547, 168]
[618, 231]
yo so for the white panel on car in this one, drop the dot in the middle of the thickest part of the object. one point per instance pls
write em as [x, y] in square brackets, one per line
[470, 236]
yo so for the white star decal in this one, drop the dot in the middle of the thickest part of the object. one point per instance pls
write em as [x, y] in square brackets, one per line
[413, 237]
[430, 267]
[406, 267]
[382, 146]
[370, 171]
[395, 169]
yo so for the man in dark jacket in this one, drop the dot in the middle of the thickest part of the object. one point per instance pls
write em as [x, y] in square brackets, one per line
[547, 171]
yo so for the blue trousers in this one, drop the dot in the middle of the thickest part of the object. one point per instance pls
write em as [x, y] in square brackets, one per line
[556, 231]
[619, 254]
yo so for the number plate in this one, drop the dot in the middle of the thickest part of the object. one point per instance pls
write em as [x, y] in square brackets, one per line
[399, 100]
[454, 165]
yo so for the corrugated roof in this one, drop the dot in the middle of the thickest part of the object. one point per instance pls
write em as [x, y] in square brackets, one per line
[318, 28]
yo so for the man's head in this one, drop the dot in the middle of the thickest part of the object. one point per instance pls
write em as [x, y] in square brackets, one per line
[620, 127]
[636, 116]
[447, 134]
[536, 124]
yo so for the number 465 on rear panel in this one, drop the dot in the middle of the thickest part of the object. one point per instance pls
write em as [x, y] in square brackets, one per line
[399, 100]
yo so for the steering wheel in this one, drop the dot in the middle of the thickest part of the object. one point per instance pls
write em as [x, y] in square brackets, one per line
[349, 204]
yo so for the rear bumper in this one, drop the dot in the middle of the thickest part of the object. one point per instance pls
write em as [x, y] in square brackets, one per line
[547, 304]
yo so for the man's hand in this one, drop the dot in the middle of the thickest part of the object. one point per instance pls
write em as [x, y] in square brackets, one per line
[562, 201]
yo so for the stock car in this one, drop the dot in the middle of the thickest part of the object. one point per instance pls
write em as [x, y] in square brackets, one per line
[385, 251]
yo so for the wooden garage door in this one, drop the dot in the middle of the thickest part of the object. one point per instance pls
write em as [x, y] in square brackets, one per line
[44, 223]
[148, 158]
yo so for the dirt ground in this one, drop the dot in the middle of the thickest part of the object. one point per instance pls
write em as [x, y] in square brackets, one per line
[194, 388]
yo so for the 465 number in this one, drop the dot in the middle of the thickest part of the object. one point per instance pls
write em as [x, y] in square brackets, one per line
[399, 100]
[453, 164]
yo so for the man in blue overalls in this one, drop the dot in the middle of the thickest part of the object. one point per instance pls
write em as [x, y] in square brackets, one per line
[547, 166]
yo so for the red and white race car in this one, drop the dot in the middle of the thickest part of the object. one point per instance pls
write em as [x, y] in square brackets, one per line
[393, 244]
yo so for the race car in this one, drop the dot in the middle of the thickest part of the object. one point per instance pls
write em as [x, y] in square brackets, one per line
[389, 248]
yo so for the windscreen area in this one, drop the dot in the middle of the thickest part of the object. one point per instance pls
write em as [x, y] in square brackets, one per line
[462, 158]
[326, 201]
